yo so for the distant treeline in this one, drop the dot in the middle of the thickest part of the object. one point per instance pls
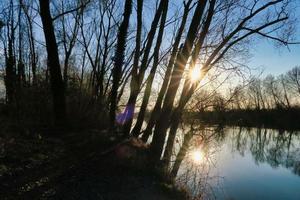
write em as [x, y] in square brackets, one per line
[272, 102]
[272, 92]
[275, 118]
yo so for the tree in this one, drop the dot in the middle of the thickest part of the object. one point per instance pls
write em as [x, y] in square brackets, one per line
[140, 119]
[97, 38]
[233, 32]
[164, 119]
[69, 39]
[293, 79]
[57, 85]
[32, 47]
[156, 110]
[137, 78]
[119, 58]
[10, 60]
[255, 92]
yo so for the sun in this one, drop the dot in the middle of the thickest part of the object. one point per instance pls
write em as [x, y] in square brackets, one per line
[195, 73]
[197, 156]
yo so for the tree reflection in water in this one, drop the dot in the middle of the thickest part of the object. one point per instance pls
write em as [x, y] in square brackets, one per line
[277, 148]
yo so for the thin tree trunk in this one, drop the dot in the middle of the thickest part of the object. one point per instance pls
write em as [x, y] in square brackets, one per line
[157, 107]
[33, 58]
[137, 80]
[119, 59]
[20, 66]
[140, 119]
[134, 71]
[69, 49]
[10, 70]
[10, 74]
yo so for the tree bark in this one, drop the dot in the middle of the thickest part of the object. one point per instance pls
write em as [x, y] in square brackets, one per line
[140, 119]
[10, 74]
[119, 59]
[33, 57]
[138, 79]
[156, 110]
[164, 119]
[57, 85]
[188, 87]
[10, 61]
[20, 66]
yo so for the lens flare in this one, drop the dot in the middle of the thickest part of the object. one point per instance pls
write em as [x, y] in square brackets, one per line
[197, 156]
[195, 73]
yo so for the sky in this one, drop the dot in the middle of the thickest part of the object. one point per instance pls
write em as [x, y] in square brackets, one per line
[266, 56]
[274, 60]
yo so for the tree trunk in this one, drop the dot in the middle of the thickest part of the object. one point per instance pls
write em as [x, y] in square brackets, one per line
[33, 58]
[57, 85]
[188, 87]
[164, 119]
[119, 59]
[10, 75]
[157, 107]
[20, 66]
[140, 119]
[134, 72]
[10, 61]
[137, 80]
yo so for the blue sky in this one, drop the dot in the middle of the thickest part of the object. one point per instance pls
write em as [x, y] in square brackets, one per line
[274, 60]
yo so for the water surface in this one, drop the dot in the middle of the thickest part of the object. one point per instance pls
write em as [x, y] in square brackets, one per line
[238, 163]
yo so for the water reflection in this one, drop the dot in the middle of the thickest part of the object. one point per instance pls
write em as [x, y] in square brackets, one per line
[237, 163]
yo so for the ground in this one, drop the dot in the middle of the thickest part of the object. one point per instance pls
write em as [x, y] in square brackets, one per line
[73, 166]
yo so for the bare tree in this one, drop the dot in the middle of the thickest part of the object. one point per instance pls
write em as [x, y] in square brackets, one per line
[163, 121]
[156, 110]
[10, 60]
[31, 39]
[119, 59]
[57, 85]
[140, 119]
[293, 79]
[246, 27]
[137, 79]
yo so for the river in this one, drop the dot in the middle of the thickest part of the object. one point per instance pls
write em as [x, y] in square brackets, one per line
[237, 163]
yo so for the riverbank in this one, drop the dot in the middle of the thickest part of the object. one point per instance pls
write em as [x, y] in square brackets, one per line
[77, 165]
